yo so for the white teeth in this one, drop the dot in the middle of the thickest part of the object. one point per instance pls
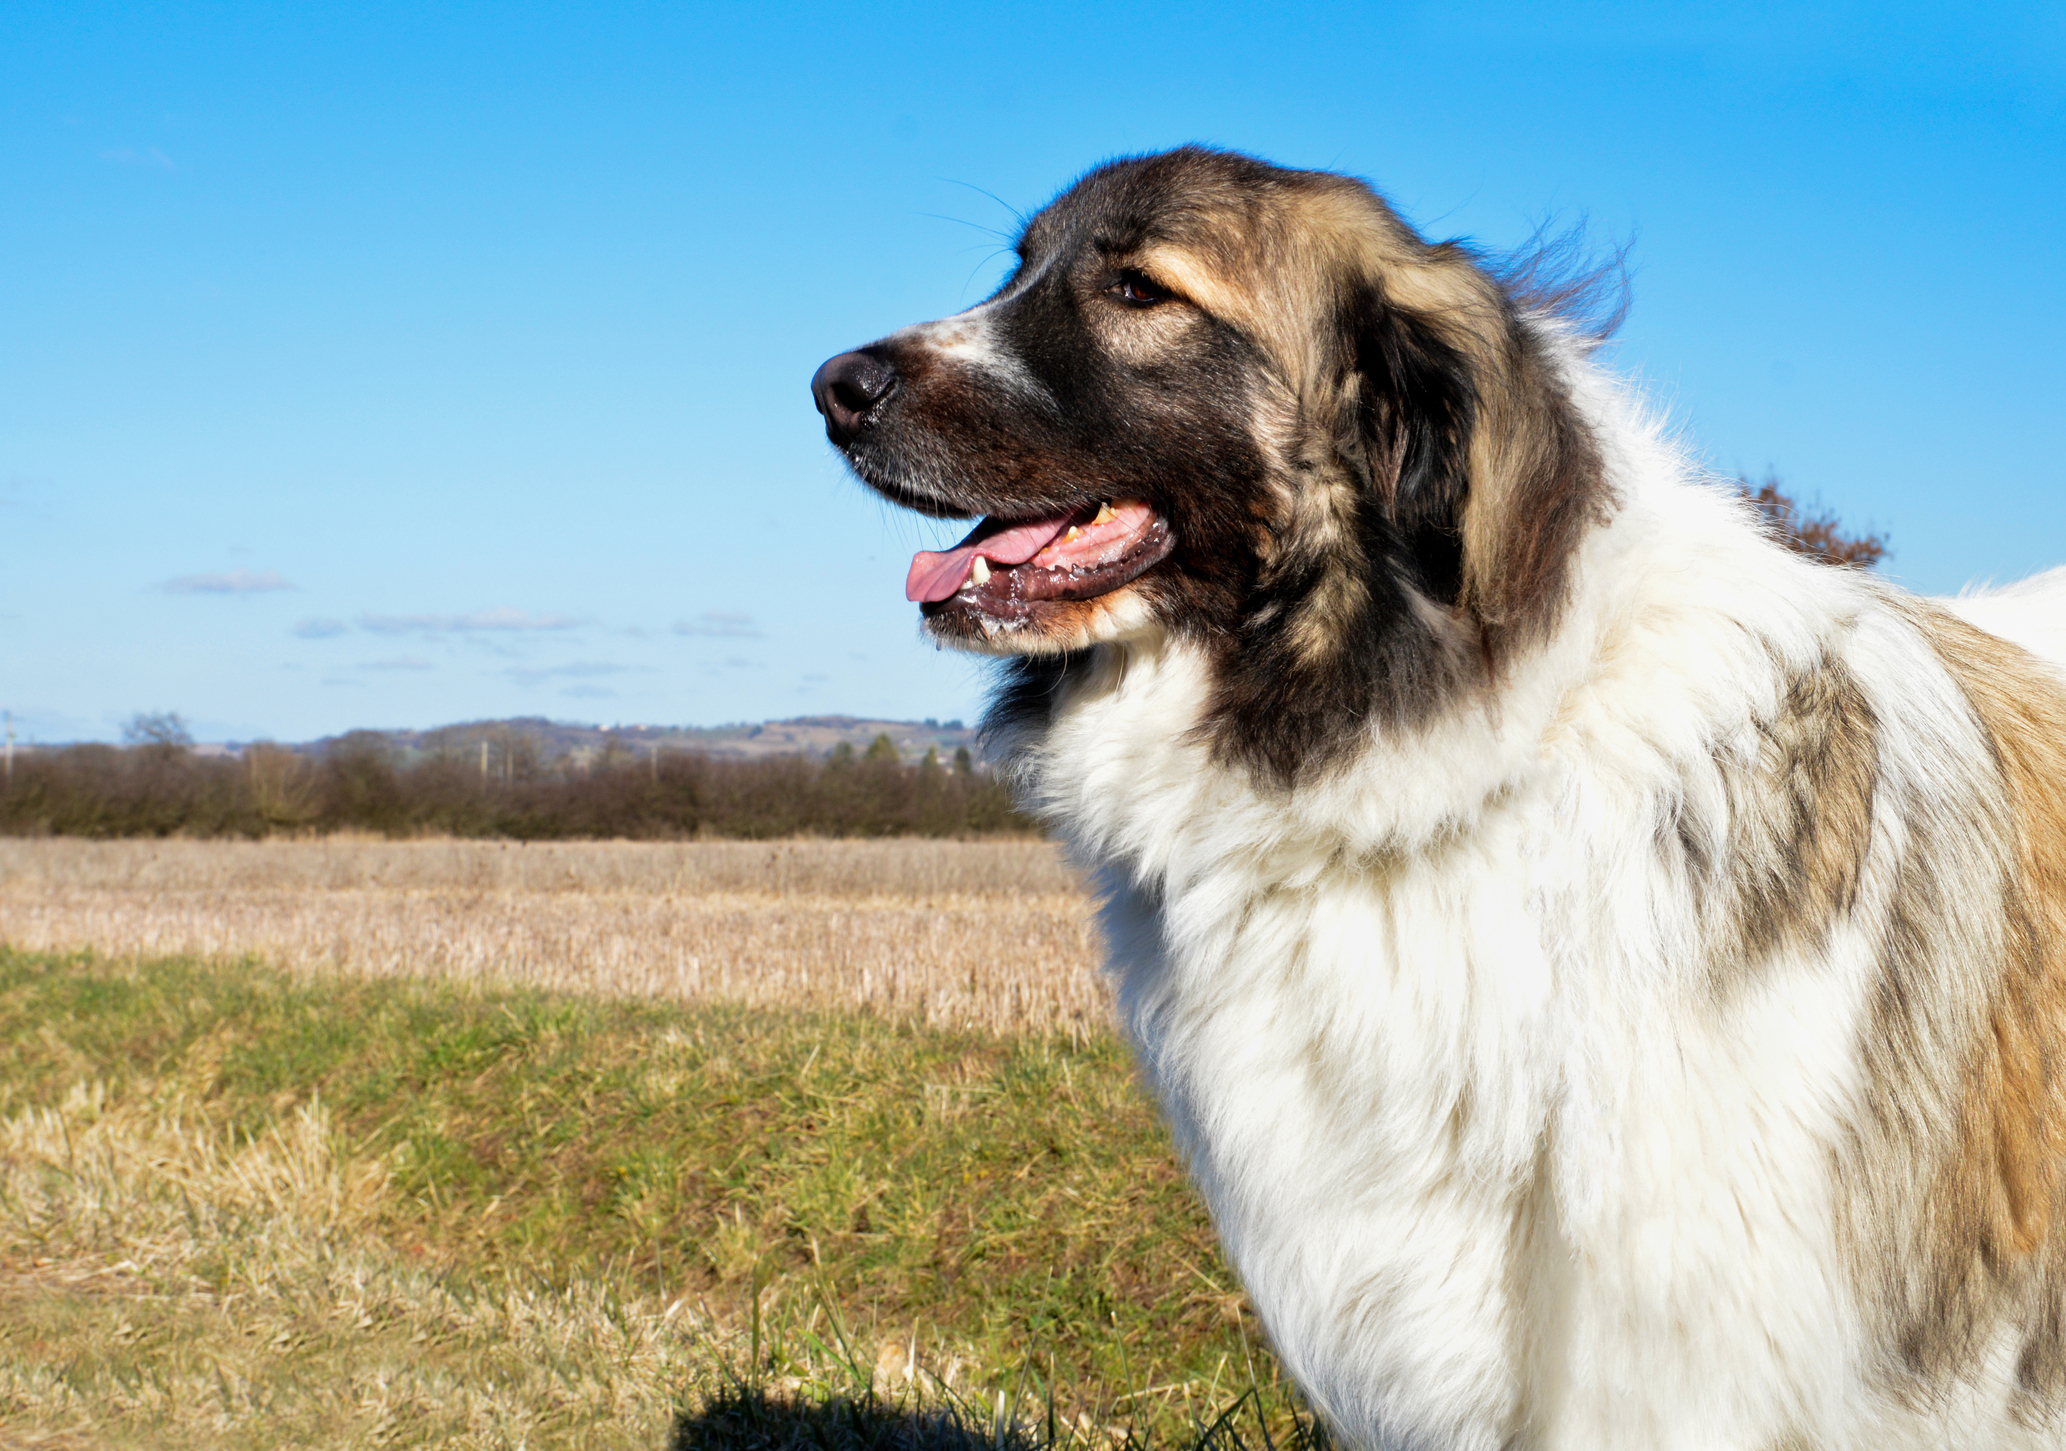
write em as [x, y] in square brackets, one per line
[980, 575]
[1073, 535]
[1104, 514]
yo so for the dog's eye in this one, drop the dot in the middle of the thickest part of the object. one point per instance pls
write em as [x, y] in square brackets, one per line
[1134, 289]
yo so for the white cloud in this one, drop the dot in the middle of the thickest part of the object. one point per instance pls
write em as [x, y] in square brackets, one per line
[500, 619]
[724, 624]
[407, 662]
[317, 627]
[227, 582]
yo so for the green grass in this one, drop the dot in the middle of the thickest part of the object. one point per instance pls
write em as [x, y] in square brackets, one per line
[799, 1200]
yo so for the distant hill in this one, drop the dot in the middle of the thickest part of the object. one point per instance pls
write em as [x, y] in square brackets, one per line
[815, 736]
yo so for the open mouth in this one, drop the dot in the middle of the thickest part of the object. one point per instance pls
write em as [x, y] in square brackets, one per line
[1008, 568]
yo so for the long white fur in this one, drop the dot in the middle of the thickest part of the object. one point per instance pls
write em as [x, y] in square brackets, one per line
[1434, 1033]
[2031, 613]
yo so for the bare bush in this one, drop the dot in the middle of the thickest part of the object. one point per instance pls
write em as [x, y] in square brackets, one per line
[1813, 531]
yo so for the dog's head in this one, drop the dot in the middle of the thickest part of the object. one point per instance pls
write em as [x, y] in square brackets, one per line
[1248, 406]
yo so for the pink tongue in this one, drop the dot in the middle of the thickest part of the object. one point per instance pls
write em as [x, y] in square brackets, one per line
[937, 575]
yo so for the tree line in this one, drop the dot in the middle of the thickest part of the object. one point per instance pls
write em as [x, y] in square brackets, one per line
[157, 786]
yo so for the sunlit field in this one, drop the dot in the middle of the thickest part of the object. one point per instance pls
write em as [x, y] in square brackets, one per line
[343, 1143]
[995, 935]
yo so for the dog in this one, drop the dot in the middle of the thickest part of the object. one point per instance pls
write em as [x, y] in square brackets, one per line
[1606, 972]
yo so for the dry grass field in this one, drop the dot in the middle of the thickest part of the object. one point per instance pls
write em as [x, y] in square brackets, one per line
[721, 1146]
[172, 1283]
[995, 935]
[716, 1146]
[241, 1208]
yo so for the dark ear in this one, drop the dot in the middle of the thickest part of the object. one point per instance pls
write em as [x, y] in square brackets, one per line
[1382, 621]
[1337, 638]
[1415, 408]
[1426, 393]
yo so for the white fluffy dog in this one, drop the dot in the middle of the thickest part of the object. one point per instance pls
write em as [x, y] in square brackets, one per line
[1607, 972]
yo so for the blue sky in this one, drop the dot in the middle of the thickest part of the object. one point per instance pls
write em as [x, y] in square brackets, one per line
[389, 365]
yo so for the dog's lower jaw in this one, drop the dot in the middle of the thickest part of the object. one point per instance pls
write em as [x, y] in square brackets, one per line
[1125, 616]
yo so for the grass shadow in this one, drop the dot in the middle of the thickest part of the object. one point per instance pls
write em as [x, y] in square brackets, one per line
[745, 1418]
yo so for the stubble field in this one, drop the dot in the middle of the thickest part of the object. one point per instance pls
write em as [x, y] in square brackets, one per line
[717, 1144]
[990, 934]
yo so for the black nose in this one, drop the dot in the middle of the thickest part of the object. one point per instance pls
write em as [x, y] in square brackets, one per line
[845, 388]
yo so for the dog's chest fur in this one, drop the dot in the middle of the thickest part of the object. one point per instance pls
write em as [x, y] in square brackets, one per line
[1444, 1175]
[1363, 1073]
[1496, 1165]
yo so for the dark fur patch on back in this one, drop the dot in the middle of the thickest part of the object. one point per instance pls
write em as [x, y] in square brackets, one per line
[1782, 868]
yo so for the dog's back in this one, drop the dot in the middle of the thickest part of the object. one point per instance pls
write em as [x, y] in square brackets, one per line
[2030, 613]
